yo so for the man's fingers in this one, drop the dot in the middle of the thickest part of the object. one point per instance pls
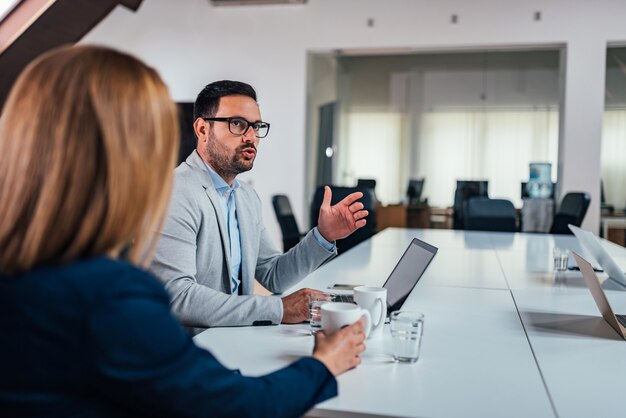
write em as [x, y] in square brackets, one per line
[327, 196]
[351, 198]
[317, 294]
[355, 207]
[360, 214]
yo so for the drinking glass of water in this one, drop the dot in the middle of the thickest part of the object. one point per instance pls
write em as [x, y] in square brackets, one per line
[315, 305]
[561, 256]
[406, 334]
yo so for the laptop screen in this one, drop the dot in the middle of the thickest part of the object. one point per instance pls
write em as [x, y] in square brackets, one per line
[407, 272]
[593, 246]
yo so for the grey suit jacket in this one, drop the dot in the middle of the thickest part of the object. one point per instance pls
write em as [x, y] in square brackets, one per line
[192, 256]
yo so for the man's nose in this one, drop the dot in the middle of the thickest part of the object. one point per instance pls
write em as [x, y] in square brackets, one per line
[249, 136]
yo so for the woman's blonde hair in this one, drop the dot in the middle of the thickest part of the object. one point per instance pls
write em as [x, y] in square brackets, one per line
[88, 141]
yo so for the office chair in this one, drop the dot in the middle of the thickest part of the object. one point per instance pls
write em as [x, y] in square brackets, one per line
[464, 190]
[366, 183]
[414, 191]
[287, 221]
[571, 211]
[188, 140]
[484, 214]
[339, 193]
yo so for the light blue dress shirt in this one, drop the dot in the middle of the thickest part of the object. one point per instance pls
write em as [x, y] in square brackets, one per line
[227, 193]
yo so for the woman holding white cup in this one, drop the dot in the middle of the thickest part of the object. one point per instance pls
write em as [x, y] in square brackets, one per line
[336, 316]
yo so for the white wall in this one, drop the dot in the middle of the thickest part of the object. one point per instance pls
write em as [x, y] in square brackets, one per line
[192, 43]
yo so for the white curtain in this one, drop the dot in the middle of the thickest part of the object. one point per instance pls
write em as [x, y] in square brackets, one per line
[372, 148]
[493, 145]
[614, 157]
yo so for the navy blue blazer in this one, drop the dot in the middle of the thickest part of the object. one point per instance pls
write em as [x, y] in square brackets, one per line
[96, 338]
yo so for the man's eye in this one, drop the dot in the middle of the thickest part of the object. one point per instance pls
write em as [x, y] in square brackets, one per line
[236, 122]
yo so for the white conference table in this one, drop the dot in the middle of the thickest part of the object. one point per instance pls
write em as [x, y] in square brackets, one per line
[504, 335]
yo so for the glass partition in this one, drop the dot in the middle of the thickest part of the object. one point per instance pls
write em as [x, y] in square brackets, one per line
[439, 116]
[614, 132]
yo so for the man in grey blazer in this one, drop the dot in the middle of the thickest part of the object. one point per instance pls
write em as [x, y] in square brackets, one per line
[213, 243]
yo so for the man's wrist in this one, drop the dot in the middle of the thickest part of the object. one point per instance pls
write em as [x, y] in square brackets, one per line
[282, 310]
[327, 245]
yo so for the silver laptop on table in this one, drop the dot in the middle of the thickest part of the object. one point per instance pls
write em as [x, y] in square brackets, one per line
[617, 322]
[592, 244]
[405, 274]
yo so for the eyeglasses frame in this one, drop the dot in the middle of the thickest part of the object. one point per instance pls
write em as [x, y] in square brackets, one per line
[243, 119]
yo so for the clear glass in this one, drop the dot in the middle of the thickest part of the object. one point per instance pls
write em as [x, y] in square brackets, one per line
[407, 329]
[561, 256]
[315, 311]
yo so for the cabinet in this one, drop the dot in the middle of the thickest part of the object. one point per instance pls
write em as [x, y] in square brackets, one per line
[402, 216]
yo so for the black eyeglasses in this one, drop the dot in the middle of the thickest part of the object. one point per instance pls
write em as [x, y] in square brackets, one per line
[239, 126]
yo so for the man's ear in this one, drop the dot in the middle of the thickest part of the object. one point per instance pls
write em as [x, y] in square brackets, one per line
[201, 129]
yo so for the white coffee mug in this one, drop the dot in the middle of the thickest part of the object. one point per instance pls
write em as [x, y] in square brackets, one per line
[338, 315]
[374, 300]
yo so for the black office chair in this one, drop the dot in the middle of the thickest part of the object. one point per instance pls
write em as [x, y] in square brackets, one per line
[414, 191]
[366, 183]
[188, 140]
[464, 190]
[484, 214]
[340, 193]
[287, 221]
[572, 210]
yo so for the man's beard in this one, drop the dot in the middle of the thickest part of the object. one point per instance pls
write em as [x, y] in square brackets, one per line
[225, 165]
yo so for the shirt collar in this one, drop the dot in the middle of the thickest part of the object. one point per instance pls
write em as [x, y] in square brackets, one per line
[218, 181]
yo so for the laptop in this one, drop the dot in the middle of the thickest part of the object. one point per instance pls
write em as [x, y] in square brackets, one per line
[405, 274]
[593, 245]
[617, 322]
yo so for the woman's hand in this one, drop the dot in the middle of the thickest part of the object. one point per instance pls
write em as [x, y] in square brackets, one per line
[340, 350]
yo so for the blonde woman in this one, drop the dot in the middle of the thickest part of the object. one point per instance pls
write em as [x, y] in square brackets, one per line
[88, 138]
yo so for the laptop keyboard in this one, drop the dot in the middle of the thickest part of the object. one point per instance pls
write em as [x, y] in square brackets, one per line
[343, 298]
[621, 319]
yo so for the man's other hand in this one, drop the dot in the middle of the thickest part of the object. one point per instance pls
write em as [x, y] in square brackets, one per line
[339, 221]
[296, 305]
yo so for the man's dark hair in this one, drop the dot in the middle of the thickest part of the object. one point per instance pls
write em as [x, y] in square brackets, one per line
[208, 99]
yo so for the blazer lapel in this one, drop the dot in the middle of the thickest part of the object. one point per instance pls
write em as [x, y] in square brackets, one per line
[195, 161]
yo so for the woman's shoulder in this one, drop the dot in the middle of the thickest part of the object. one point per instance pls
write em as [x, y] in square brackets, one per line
[107, 275]
[106, 267]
